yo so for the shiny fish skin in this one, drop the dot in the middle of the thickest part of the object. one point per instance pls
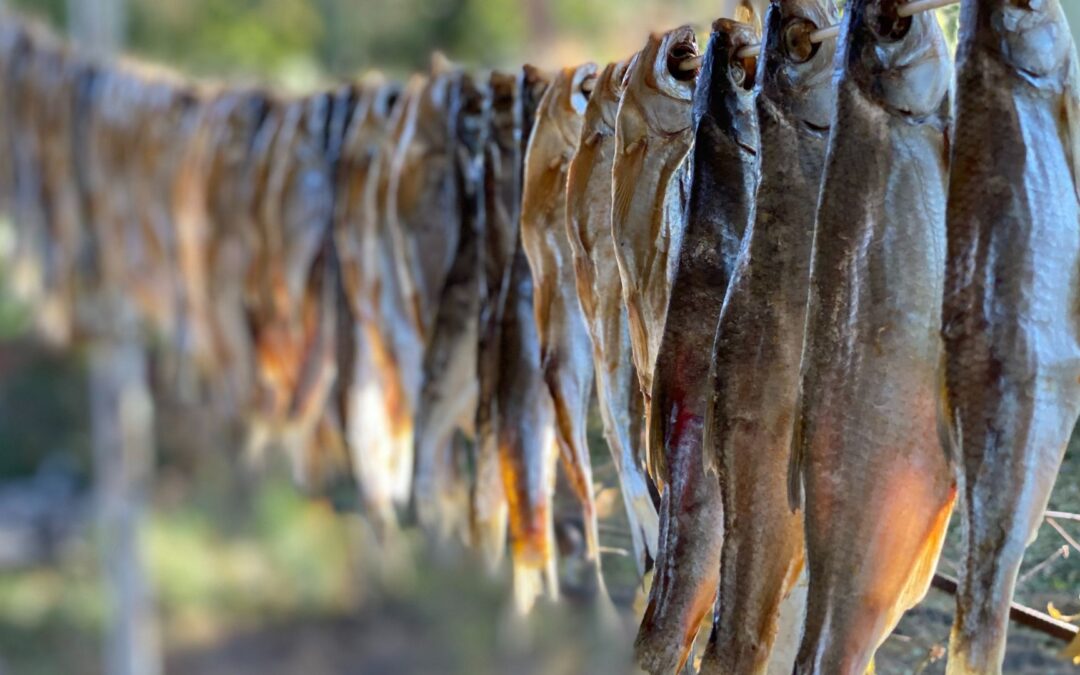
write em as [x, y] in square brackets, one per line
[502, 201]
[691, 511]
[449, 397]
[758, 350]
[528, 449]
[653, 136]
[878, 486]
[1010, 324]
[565, 352]
[599, 290]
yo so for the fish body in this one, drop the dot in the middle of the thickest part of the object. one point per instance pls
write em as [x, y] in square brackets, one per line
[449, 398]
[499, 235]
[528, 448]
[565, 352]
[759, 342]
[1012, 336]
[691, 511]
[599, 291]
[421, 194]
[878, 486]
[653, 137]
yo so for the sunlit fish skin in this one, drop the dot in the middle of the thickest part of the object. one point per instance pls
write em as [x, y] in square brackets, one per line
[502, 202]
[565, 351]
[528, 448]
[653, 136]
[878, 485]
[1010, 324]
[599, 290]
[449, 397]
[691, 512]
[759, 341]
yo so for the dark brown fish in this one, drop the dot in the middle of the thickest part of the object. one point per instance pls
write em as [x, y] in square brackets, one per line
[879, 488]
[528, 448]
[653, 137]
[502, 201]
[721, 195]
[1012, 338]
[451, 388]
[759, 341]
[599, 290]
[565, 353]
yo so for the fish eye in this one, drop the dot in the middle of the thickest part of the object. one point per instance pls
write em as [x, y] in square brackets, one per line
[797, 44]
[738, 74]
[887, 24]
[742, 72]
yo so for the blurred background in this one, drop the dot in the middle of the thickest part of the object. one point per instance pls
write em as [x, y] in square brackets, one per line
[248, 575]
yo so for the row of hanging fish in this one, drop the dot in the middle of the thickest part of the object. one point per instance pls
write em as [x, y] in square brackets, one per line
[823, 295]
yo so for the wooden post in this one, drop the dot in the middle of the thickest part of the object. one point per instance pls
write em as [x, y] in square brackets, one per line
[122, 420]
[122, 415]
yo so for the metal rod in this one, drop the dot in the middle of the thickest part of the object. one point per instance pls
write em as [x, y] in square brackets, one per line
[830, 32]
[1025, 616]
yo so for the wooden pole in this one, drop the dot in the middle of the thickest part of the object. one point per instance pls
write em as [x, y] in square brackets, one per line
[122, 420]
[122, 415]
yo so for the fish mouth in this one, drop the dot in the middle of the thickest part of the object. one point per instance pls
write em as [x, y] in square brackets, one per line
[683, 47]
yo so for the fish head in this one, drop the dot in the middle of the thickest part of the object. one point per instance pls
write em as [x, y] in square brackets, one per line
[471, 106]
[659, 87]
[901, 63]
[504, 99]
[564, 104]
[534, 83]
[603, 108]
[1031, 36]
[795, 73]
[724, 96]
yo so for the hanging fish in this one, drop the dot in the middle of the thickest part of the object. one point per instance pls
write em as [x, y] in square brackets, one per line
[759, 341]
[449, 398]
[879, 487]
[650, 179]
[528, 447]
[565, 355]
[502, 200]
[721, 195]
[1012, 337]
[599, 290]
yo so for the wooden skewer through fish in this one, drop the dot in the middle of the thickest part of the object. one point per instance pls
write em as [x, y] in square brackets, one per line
[830, 32]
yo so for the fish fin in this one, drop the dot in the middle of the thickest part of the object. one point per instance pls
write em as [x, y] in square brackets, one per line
[797, 457]
[656, 461]
[948, 428]
[710, 458]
